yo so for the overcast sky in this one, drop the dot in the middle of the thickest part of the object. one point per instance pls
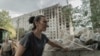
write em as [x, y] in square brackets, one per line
[18, 7]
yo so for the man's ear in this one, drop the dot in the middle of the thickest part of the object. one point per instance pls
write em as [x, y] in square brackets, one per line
[36, 23]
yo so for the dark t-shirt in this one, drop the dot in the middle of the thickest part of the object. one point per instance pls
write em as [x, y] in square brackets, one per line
[33, 45]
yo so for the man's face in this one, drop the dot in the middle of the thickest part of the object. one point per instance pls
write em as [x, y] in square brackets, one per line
[42, 24]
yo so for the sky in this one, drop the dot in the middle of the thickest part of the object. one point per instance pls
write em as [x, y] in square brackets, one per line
[19, 7]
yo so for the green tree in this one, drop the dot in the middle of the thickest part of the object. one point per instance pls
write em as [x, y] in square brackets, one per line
[21, 32]
[95, 11]
[5, 22]
[66, 10]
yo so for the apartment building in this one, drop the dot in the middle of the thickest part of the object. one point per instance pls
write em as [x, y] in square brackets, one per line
[57, 23]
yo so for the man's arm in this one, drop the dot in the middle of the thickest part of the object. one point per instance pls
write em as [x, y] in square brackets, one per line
[54, 44]
[20, 50]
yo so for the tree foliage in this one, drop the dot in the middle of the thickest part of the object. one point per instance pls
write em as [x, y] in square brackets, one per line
[5, 22]
[67, 13]
[21, 32]
[95, 10]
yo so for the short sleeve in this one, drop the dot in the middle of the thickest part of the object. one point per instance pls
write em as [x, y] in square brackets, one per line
[45, 38]
[25, 41]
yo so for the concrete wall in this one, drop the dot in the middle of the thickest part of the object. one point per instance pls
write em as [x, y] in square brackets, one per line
[71, 53]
